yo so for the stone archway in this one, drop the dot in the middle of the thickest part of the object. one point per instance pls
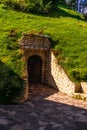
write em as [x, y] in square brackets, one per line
[34, 69]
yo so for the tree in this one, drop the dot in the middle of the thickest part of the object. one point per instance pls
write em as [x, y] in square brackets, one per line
[34, 6]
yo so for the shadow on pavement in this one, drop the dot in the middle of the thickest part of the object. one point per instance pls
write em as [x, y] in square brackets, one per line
[46, 109]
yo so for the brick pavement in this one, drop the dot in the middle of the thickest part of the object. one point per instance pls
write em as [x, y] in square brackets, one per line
[46, 109]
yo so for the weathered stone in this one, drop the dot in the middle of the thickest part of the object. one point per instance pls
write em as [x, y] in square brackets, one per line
[84, 87]
[33, 114]
[30, 104]
[4, 121]
[12, 113]
[17, 127]
[41, 128]
[81, 96]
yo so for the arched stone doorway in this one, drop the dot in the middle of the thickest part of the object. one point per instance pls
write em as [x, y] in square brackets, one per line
[34, 69]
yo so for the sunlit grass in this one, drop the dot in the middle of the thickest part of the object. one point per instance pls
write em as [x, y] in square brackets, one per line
[68, 33]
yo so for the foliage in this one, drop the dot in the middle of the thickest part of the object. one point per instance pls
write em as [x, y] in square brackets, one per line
[79, 74]
[67, 31]
[10, 84]
[15, 4]
[34, 6]
[78, 96]
[85, 16]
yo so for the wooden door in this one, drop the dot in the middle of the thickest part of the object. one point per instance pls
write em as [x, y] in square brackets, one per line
[34, 69]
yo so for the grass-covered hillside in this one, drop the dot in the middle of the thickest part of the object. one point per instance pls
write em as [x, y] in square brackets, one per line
[68, 33]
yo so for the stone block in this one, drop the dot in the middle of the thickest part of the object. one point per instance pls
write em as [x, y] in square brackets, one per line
[84, 87]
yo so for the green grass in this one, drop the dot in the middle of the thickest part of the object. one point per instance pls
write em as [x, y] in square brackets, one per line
[67, 31]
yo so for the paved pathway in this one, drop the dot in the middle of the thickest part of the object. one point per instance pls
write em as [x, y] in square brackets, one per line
[46, 109]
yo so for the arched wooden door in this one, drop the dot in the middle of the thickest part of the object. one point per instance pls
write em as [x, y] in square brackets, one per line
[34, 69]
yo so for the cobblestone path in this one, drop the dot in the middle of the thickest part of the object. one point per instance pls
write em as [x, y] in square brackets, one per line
[46, 109]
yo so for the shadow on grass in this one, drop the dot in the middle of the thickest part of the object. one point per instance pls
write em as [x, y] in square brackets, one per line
[67, 14]
[56, 13]
[10, 84]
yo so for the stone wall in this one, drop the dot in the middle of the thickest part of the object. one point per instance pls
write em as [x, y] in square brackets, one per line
[58, 78]
[52, 73]
[84, 87]
[35, 41]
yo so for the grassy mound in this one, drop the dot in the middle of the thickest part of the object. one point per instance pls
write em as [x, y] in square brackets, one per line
[68, 34]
